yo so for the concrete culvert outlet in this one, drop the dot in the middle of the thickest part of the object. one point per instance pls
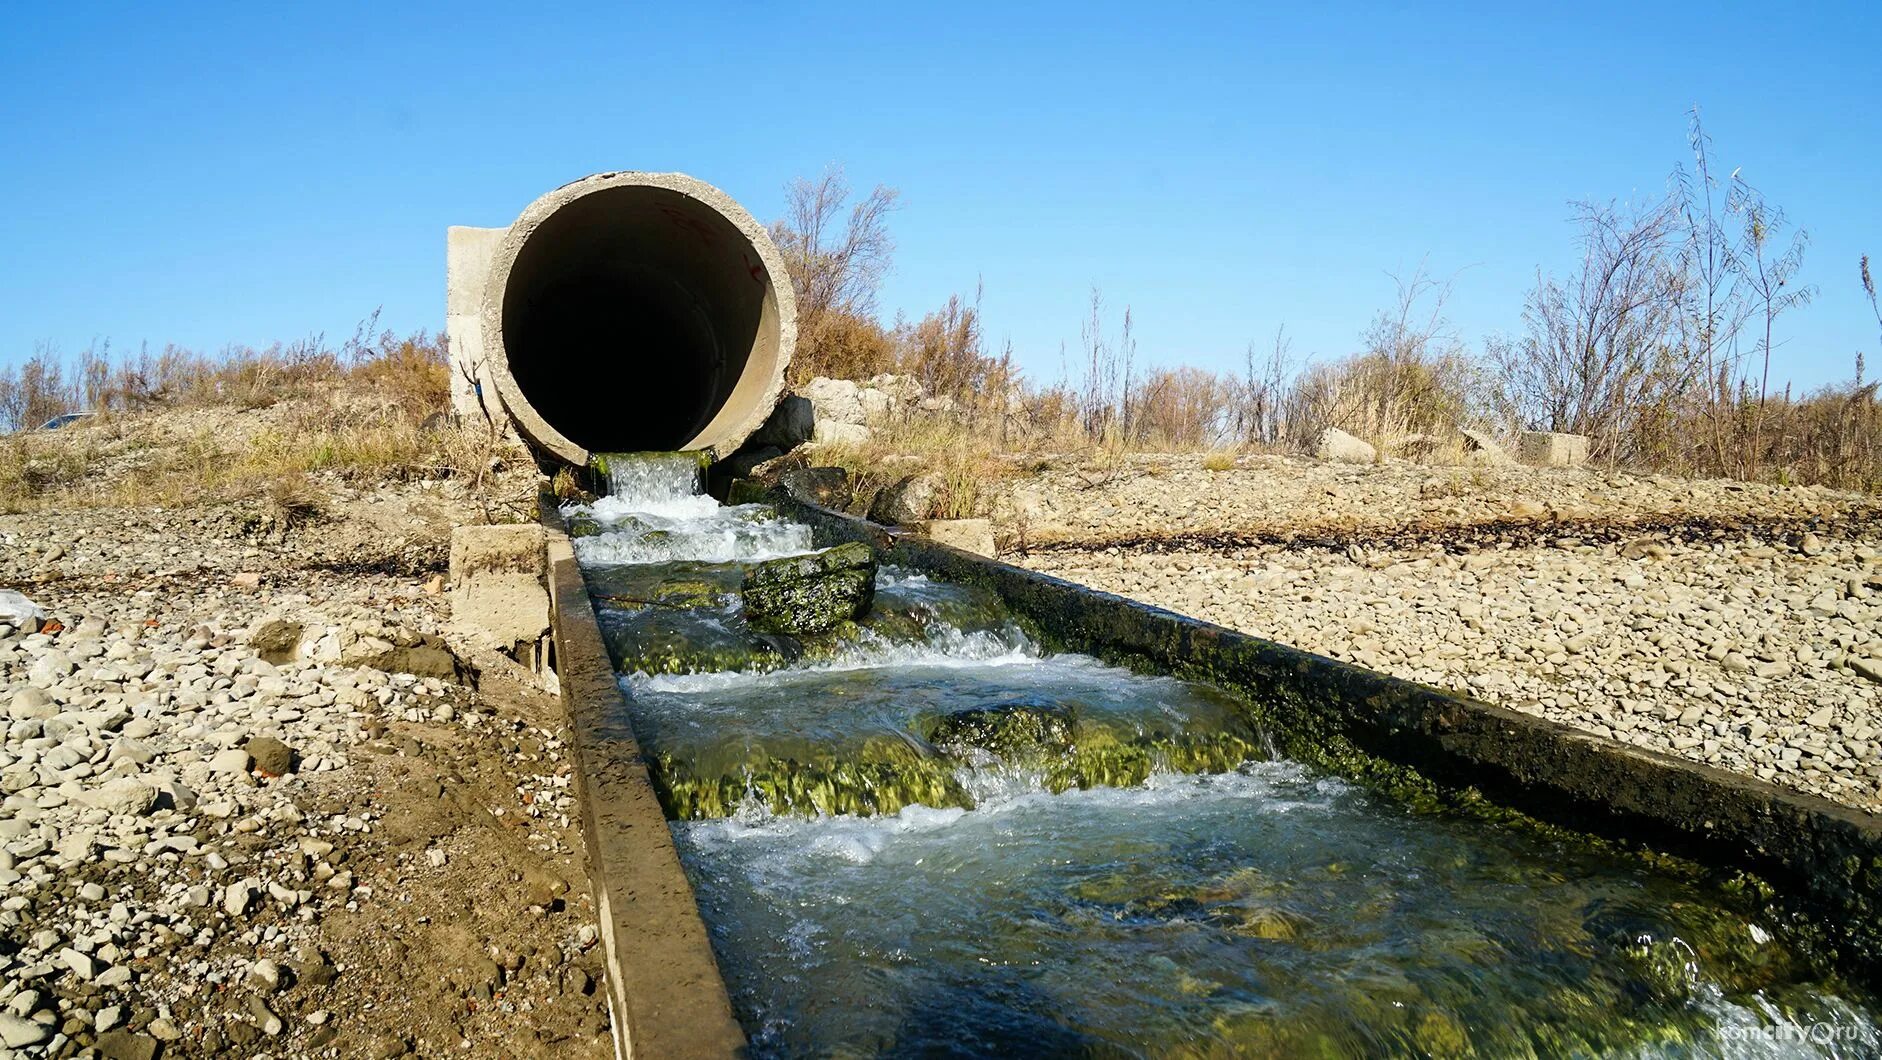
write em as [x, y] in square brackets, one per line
[637, 311]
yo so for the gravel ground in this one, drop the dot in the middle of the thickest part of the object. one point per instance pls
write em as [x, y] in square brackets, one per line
[1737, 626]
[233, 825]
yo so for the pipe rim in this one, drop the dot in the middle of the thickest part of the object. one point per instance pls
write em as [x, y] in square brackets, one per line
[721, 442]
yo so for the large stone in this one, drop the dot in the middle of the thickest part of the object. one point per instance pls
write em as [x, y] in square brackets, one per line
[19, 612]
[828, 487]
[125, 796]
[124, 1044]
[906, 500]
[31, 703]
[790, 425]
[275, 640]
[833, 432]
[810, 594]
[431, 657]
[968, 535]
[1481, 448]
[833, 400]
[1548, 449]
[1335, 444]
[18, 1033]
[270, 756]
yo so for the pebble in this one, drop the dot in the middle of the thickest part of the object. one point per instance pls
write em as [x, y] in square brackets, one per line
[1712, 651]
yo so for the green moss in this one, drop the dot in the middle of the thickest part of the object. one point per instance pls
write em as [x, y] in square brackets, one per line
[810, 594]
[1020, 731]
[880, 777]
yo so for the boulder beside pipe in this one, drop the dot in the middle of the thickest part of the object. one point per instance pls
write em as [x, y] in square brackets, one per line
[622, 312]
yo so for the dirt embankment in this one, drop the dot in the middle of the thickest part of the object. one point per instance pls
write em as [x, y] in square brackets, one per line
[212, 847]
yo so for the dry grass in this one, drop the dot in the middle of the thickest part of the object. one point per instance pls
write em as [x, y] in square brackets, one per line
[967, 463]
[278, 425]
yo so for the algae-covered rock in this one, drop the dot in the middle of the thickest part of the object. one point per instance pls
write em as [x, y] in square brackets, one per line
[811, 593]
[676, 584]
[1023, 730]
[879, 776]
[583, 525]
[662, 640]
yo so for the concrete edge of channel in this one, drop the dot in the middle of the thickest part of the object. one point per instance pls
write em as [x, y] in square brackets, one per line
[666, 995]
[1823, 858]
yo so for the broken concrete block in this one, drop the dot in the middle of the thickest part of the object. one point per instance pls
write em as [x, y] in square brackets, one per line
[498, 600]
[968, 535]
[1548, 449]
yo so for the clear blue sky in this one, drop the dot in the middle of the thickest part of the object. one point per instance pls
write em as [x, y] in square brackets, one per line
[239, 173]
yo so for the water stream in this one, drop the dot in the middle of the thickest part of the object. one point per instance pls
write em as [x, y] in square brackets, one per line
[917, 833]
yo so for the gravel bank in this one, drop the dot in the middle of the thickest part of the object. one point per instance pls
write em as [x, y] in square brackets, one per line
[232, 826]
[1758, 651]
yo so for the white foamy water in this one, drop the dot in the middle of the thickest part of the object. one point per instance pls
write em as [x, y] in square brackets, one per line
[657, 512]
[945, 648]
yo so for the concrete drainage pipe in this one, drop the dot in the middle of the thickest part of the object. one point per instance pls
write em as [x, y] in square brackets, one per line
[636, 311]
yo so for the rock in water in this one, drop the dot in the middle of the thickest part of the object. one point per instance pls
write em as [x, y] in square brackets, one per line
[828, 487]
[1020, 731]
[810, 594]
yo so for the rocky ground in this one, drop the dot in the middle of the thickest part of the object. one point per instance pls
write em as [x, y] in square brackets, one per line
[1737, 625]
[236, 822]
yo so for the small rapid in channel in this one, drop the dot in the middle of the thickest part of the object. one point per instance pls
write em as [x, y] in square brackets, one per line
[918, 833]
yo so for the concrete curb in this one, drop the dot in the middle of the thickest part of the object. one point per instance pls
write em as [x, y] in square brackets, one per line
[665, 993]
[1823, 858]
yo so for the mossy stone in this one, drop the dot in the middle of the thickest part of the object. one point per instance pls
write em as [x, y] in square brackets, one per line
[810, 593]
[1024, 730]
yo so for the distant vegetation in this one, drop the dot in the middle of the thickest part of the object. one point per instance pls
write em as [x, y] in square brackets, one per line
[1660, 345]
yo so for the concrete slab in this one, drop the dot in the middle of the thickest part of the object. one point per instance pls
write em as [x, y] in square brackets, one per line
[968, 535]
[499, 601]
[467, 256]
[664, 988]
[1548, 449]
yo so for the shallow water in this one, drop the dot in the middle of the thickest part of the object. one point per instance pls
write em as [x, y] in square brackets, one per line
[1283, 912]
[1149, 883]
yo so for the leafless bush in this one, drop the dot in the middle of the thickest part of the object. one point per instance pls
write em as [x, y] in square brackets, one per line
[836, 265]
[1412, 377]
[1598, 354]
[946, 354]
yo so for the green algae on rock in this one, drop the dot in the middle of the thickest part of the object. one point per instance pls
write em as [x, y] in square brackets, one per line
[677, 584]
[810, 594]
[1022, 730]
[666, 640]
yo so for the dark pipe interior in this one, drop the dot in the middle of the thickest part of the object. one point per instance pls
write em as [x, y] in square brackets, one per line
[628, 317]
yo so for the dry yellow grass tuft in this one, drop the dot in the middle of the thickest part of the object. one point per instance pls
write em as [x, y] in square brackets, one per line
[268, 425]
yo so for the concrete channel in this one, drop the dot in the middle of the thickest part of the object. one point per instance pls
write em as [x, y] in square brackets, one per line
[687, 256]
[1822, 862]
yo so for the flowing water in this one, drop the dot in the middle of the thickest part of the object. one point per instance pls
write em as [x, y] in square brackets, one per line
[917, 833]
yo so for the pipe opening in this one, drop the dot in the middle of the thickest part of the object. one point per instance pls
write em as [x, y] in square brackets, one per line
[640, 318]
